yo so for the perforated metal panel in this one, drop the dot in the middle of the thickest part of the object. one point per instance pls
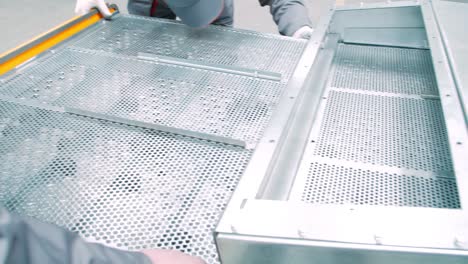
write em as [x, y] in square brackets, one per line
[219, 45]
[124, 186]
[391, 131]
[391, 70]
[380, 140]
[233, 106]
[328, 183]
[128, 186]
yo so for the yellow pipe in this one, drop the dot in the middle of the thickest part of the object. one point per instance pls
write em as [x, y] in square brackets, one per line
[48, 43]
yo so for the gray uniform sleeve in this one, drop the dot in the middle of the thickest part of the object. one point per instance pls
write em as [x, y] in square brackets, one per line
[289, 15]
[25, 240]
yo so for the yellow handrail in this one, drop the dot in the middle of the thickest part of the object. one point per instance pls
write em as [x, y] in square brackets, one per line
[51, 38]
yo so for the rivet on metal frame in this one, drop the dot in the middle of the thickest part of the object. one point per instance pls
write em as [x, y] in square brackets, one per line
[243, 204]
[460, 242]
[301, 234]
[378, 239]
[233, 229]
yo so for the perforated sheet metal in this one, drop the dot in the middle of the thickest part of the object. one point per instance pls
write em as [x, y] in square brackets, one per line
[391, 131]
[219, 45]
[123, 186]
[328, 183]
[384, 148]
[391, 70]
[210, 102]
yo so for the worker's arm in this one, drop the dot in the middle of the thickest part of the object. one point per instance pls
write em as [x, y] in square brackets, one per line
[291, 17]
[25, 240]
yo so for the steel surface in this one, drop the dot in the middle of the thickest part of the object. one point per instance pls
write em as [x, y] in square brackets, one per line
[390, 70]
[384, 130]
[450, 99]
[203, 101]
[286, 163]
[388, 185]
[379, 141]
[335, 184]
[121, 183]
[123, 186]
[218, 45]
[450, 15]
[245, 249]
[393, 37]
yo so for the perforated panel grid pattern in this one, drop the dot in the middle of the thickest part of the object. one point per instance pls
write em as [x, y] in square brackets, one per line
[123, 186]
[379, 141]
[219, 45]
[343, 185]
[391, 70]
[210, 102]
[391, 131]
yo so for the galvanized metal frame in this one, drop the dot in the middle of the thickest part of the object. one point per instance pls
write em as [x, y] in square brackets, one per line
[451, 104]
[418, 231]
[283, 172]
[258, 249]
[449, 16]
[351, 22]
[268, 147]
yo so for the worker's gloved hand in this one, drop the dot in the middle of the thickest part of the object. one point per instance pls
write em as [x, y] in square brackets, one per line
[162, 256]
[83, 7]
[303, 33]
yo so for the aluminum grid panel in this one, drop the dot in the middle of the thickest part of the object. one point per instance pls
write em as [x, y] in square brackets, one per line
[219, 45]
[392, 131]
[119, 185]
[210, 102]
[378, 141]
[384, 69]
[331, 184]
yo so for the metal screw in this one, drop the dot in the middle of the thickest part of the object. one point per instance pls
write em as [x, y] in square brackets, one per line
[300, 233]
[233, 229]
[243, 203]
[378, 239]
[459, 242]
